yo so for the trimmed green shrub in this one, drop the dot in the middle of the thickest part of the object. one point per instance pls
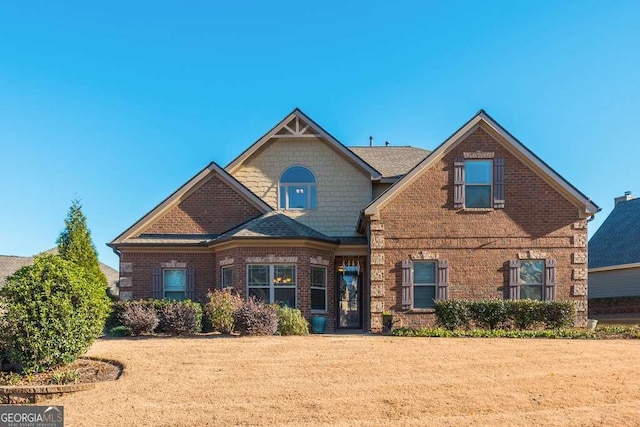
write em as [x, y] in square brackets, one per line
[525, 313]
[452, 314]
[220, 309]
[55, 310]
[488, 313]
[182, 317]
[139, 318]
[256, 318]
[559, 314]
[291, 321]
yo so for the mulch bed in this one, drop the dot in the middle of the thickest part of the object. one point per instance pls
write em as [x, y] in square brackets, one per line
[89, 371]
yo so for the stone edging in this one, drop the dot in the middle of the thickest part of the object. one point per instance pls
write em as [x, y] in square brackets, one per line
[38, 393]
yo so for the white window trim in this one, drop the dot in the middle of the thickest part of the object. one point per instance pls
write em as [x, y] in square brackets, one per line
[433, 285]
[272, 286]
[325, 288]
[542, 284]
[164, 287]
[490, 184]
[307, 185]
[222, 282]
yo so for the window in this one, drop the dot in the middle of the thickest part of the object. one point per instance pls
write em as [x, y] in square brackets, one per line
[175, 284]
[297, 189]
[477, 183]
[318, 288]
[531, 279]
[272, 283]
[226, 277]
[424, 284]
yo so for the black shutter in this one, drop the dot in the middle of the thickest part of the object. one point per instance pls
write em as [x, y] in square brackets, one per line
[514, 279]
[550, 280]
[156, 282]
[407, 283]
[498, 183]
[191, 284]
[458, 183]
[443, 280]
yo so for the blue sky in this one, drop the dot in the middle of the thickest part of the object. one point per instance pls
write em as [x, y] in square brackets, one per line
[120, 103]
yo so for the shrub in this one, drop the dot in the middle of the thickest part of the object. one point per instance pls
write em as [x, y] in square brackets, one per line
[489, 313]
[54, 313]
[182, 317]
[452, 314]
[525, 313]
[256, 318]
[559, 314]
[291, 321]
[139, 318]
[220, 310]
[119, 331]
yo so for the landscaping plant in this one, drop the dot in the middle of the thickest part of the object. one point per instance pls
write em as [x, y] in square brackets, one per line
[291, 321]
[55, 310]
[182, 317]
[220, 310]
[139, 319]
[256, 318]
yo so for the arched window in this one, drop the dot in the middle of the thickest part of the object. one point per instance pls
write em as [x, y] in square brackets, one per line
[297, 189]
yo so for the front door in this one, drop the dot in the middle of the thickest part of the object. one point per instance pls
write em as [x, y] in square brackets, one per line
[349, 298]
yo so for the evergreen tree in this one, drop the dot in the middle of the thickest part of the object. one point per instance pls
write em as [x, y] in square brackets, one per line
[75, 245]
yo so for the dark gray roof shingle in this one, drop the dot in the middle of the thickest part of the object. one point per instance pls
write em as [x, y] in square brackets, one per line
[617, 241]
[392, 161]
[274, 225]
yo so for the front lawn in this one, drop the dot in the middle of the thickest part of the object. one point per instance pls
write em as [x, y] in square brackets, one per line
[362, 380]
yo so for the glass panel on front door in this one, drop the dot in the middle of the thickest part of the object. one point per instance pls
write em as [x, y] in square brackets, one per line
[349, 298]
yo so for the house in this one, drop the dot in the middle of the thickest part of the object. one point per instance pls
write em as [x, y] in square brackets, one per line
[614, 261]
[9, 264]
[348, 233]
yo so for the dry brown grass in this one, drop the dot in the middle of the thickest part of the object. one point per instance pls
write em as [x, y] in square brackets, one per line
[363, 380]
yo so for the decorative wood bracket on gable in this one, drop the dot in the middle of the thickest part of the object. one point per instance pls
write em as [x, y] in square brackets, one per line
[297, 128]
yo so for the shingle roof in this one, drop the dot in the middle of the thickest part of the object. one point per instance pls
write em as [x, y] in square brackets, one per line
[9, 264]
[273, 225]
[170, 239]
[392, 161]
[617, 241]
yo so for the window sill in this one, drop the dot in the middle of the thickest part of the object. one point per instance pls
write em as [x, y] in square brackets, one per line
[421, 310]
[478, 209]
[319, 312]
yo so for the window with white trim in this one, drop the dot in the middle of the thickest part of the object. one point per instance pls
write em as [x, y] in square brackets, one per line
[272, 283]
[318, 288]
[532, 279]
[226, 277]
[174, 283]
[478, 183]
[424, 284]
[297, 189]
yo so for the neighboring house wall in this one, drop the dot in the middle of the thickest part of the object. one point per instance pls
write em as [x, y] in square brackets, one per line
[212, 208]
[420, 222]
[136, 269]
[343, 189]
[614, 283]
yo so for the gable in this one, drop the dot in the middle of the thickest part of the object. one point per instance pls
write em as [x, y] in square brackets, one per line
[502, 137]
[211, 203]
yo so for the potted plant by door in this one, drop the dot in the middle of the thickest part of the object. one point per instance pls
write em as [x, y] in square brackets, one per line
[387, 321]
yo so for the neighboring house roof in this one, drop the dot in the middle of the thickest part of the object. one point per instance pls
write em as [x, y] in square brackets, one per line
[617, 241]
[482, 119]
[391, 161]
[9, 264]
[177, 196]
[273, 225]
[299, 125]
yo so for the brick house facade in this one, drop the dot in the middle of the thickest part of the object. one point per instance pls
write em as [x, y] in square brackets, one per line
[294, 219]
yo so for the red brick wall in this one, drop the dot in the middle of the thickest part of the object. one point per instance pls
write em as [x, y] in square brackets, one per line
[477, 244]
[142, 264]
[303, 290]
[213, 208]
